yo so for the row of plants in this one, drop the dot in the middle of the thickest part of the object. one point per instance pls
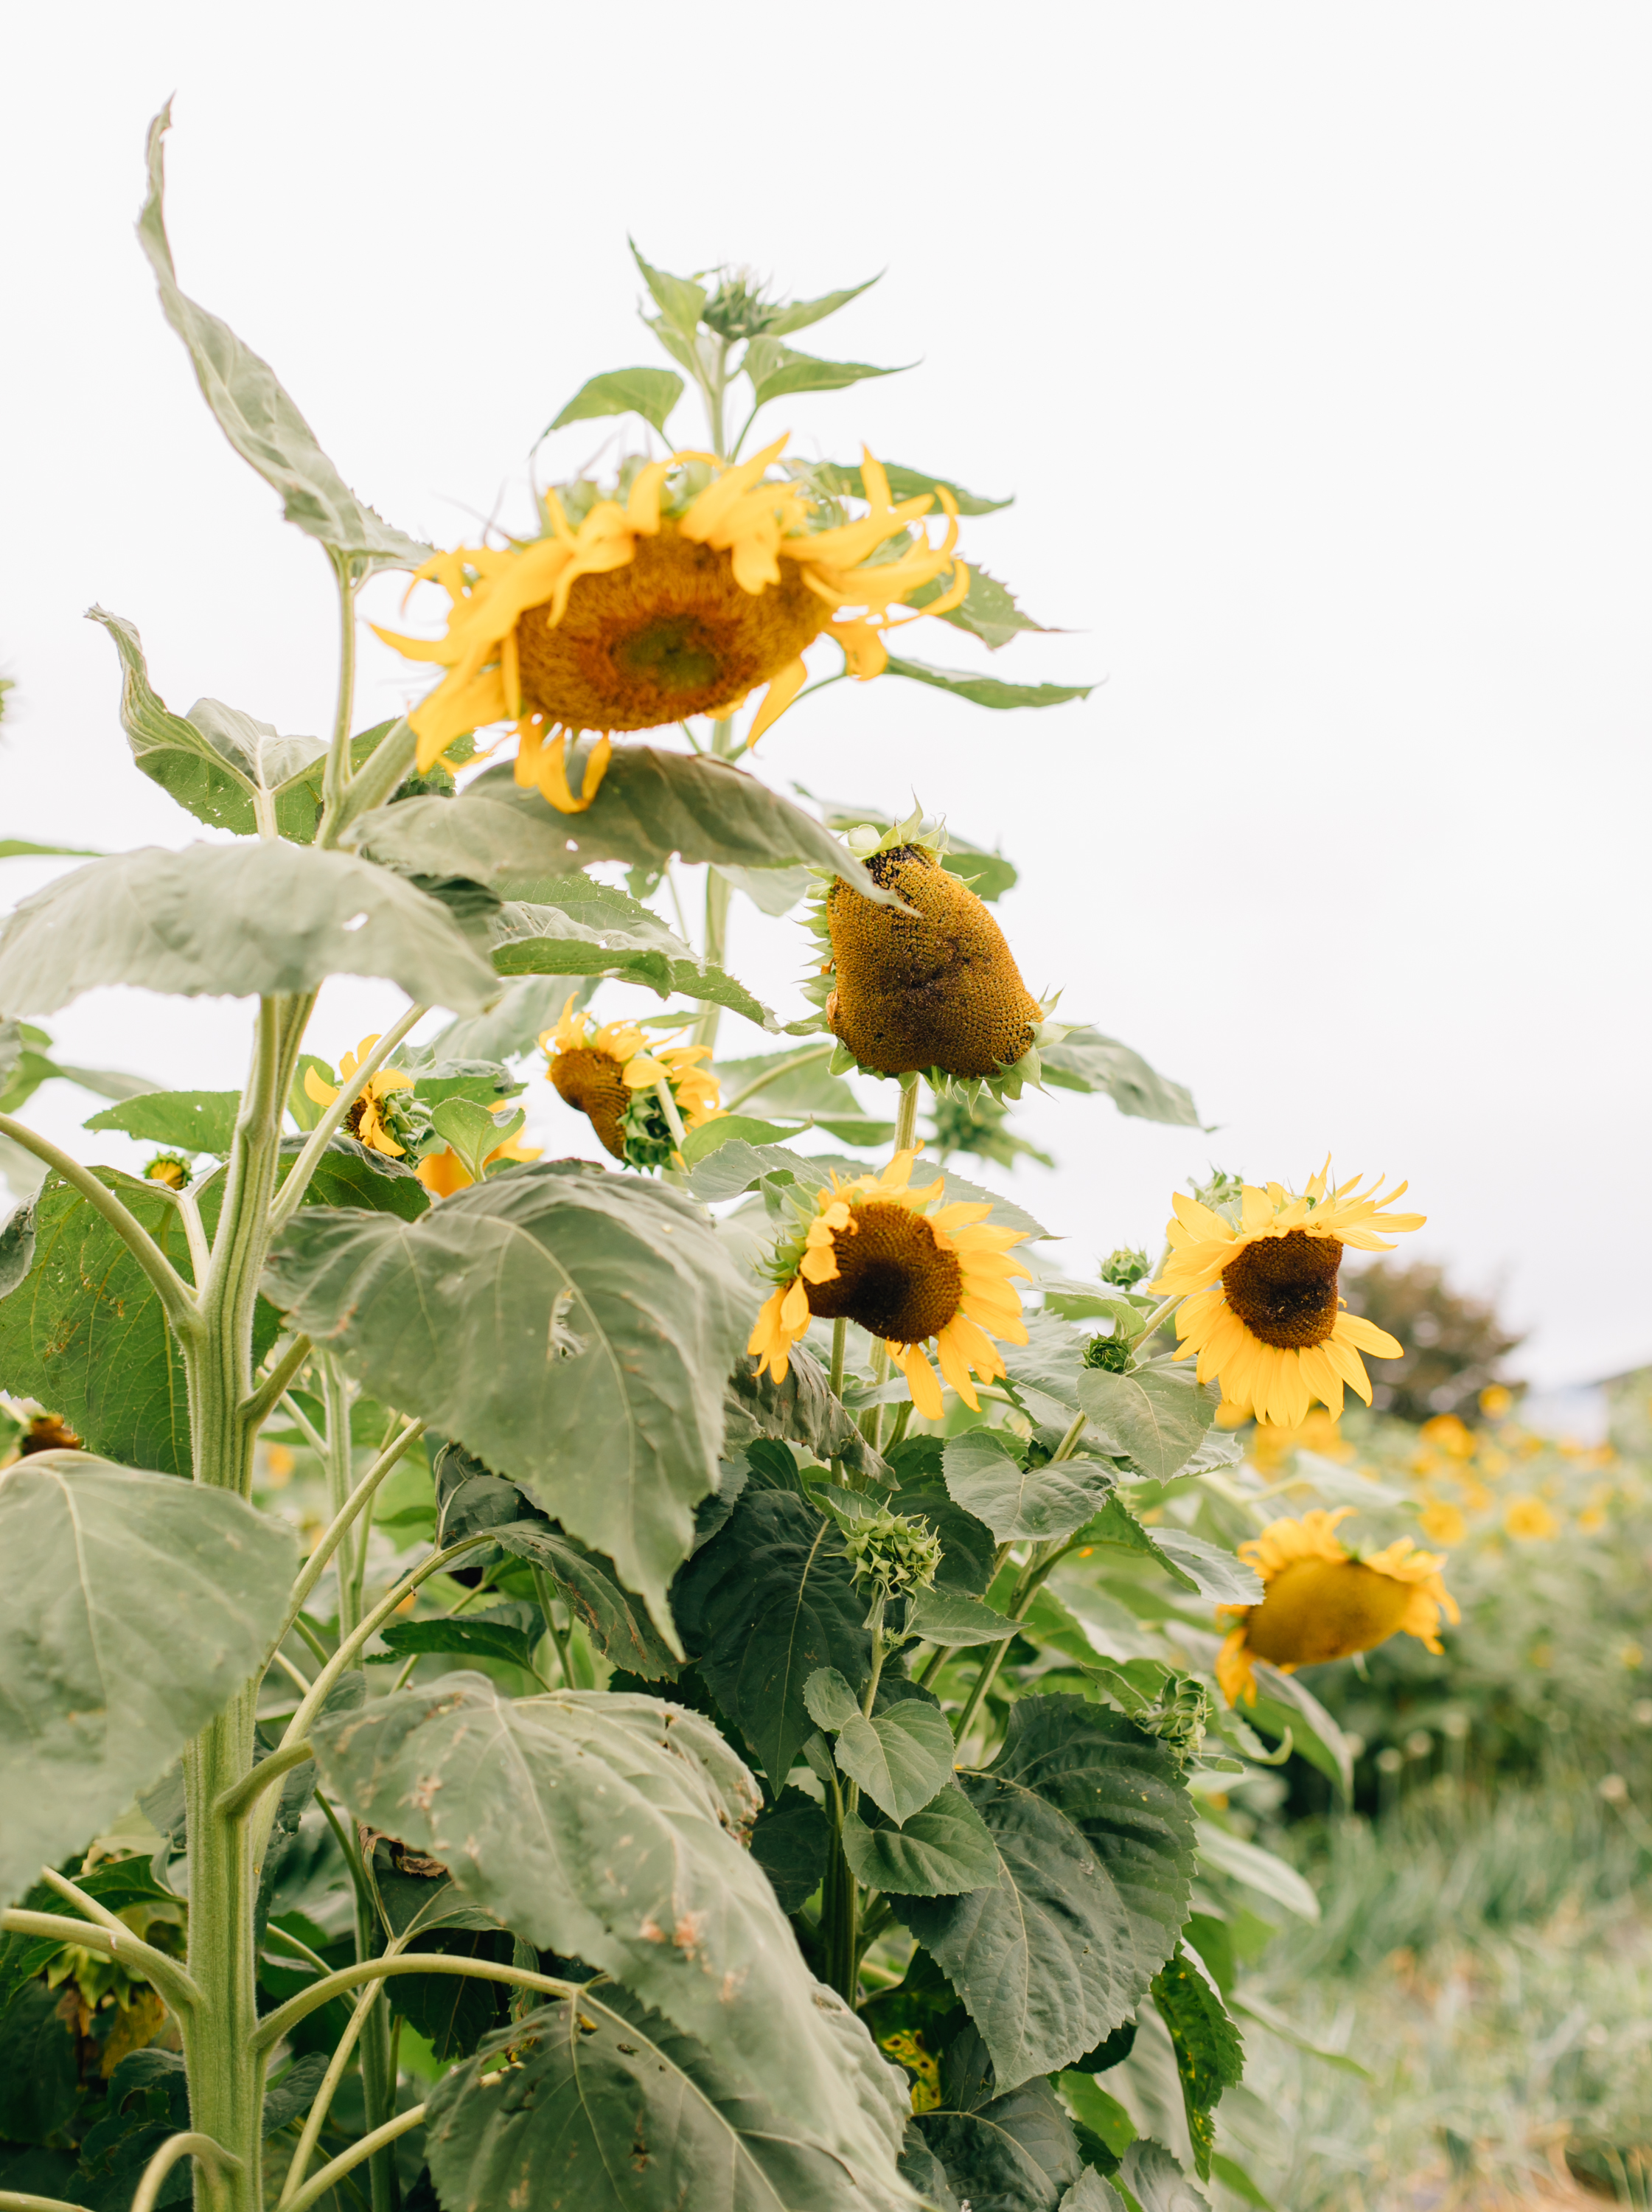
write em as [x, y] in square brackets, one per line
[716, 1676]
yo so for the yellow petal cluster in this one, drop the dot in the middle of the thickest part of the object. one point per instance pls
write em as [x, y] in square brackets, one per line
[622, 1059]
[756, 522]
[366, 1121]
[955, 1249]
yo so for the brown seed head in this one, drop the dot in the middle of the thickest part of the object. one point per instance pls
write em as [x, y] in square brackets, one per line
[591, 1081]
[937, 989]
[1285, 1288]
[894, 1277]
[49, 1433]
[669, 635]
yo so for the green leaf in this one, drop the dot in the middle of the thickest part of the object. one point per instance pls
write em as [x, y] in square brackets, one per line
[39, 2069]
[901, 1757]
[832, 1705]
[767, 1601]
[772, 891]
[256, 415]
[650, 393]
[511, 1633]
[1156, 2182]
[190, 1121]
[147, 2102]
[985, 1475]
[132, 1608]
[966, 1565]
[809, 1090]
[1232, 2175]
[616, 1623]
[798, 314]
[1262, 1871]
[572, 1326]
[945, 1616]
[599, 1826]
[776, 369]
[986, 690]
[454, 2012]
[988, 612]
[293, 2092]
[516, 1021]
[20, 848]
[1210, 2053]
[605, 2107]
[989, 875]
[472, 1132]
[1213, 1572]
[1265, 2015]
[943, 1850]
[547, 940]
[350, 1174]
[905, 483]
[239, 920]
[1095, 1839]
[1103, 2115]
[17, 1243]
[790, 1842]
[85, 1332]
[712, 1136]
[1016, 2153]
[679, 299]
[1091, 2193]
[652, 804]
[1156, 1415]
[1283, 1703]
[802, 1410]
[1087, 1060]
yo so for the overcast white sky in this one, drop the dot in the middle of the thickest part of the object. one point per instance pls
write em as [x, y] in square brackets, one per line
[1313, 341]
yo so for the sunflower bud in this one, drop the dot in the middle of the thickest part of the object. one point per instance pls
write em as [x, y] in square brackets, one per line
[932, 989]
[895, 1553]
[171, 1169]
[1111, 1352]
[1125, 1269]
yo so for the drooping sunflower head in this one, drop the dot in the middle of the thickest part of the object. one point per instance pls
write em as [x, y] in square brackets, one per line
[613, 1076]
[1322, 1602]
[933, 989]
[679, 589]
[1258, 1281]
[874, 1251]
[382, 1119]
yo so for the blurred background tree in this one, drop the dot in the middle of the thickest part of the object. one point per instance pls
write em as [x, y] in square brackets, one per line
[1455, 1344]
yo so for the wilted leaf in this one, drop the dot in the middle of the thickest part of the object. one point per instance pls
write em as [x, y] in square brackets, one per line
[1094, 1838]
[616, 1623]
[573, 1328]
[132, 1608]
[235, 920]
[257, 416]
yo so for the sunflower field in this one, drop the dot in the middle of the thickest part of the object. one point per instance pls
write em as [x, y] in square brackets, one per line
[722, 1677]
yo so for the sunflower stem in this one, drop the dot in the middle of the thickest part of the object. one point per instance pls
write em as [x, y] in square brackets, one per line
[335, 778]
[1160, 1313]
[906, 1122]
[785, 1066]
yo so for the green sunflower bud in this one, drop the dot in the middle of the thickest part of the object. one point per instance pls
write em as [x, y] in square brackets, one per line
[894, 1552]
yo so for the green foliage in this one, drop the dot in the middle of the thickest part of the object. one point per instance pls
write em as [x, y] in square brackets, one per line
[1208, 2052]
[903, 483]
[193, 1121]
[986, 690]
[96, 1705]
[1156, 1415]
[1086, 1060]
[1454, 1344]
[574, 1328]
[985, 1475]
[650, 393]
[587, 928]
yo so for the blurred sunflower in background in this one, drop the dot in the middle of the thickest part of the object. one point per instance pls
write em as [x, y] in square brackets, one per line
[680, 590]
[871, 1251]
[1258, 1283]
[615, 1077]
[1322, 1602]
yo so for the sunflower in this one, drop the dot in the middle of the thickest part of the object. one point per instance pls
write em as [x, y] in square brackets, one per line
[708, 580]
[1322, 1602]
[1260, 1304]
[442, 1173]
[171, 1169]
[367, 1120]
[871, 1251]
[611, 1074]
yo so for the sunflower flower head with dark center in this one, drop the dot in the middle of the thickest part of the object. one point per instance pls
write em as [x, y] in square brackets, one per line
[613, 1076]
[1322, 1601]
[1256, 1275]
[928, 986]
[385, 1117]
[878, 1253]
[681, 589]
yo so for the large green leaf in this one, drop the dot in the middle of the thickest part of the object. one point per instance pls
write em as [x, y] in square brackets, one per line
[237, 920]
[1094, 1838]
[802, 1410]
[605, 2106]
[574, 1328]
[191, 1121]
[587, 928]
[943, 1850]
[1157, 1414]
[616, 1623]
[1016, 2153]
[905, 483]
[1155, 2180]
[966, 1565]
[985, 1475]
[901, 1758]
[255, 413]
[131, 1609]
[767, 1601]
[987, 691]
[1194, 1563]
[1087, 1060]
[776, 369]
[650, 393]
[652, 805]
[608, 1828]
[1210, 2053]
[84, 1331]
[215, 761]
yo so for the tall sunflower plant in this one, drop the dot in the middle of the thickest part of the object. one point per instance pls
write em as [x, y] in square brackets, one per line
[686, 1679]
